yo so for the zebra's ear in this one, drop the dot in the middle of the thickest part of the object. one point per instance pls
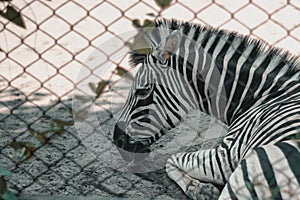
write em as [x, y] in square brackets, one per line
[169, 46]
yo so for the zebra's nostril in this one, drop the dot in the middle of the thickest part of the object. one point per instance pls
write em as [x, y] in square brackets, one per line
[129, 150]
[121, 142]
[119, 136]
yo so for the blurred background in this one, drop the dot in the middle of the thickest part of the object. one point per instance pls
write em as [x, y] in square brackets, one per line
[53, 51]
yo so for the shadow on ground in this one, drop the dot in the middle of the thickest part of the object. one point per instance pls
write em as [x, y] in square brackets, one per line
[64, 166]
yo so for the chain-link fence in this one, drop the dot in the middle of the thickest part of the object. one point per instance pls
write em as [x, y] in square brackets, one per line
[55, 46]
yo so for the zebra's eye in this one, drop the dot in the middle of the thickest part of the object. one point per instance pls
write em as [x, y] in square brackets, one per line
[142, 92]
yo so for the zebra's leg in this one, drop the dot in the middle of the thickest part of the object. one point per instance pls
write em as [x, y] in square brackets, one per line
[193, 188]
[271, 171]
[197, 172]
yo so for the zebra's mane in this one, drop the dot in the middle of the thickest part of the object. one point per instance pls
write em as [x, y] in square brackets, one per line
[184, 27]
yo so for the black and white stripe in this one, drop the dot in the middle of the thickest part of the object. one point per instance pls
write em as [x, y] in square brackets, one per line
[267, 172]
[253, 89]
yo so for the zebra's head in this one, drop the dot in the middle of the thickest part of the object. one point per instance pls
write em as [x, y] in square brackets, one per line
[159, 98]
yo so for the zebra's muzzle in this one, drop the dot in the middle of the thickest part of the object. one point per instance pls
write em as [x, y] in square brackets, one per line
[129, 149]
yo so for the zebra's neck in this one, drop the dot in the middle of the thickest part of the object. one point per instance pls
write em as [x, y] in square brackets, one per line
[230, 73]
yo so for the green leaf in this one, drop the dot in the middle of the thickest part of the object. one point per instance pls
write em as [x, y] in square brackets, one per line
[8, 195]
[13, 15]
[82, 98]
[42, 138]
[27, 147]
[140, 45]
[92, 87]
[60, 132]
[62, 123]
[151, 14]
[29, 151]
[4, 172]
[163, 4]
[100, 88]
[57, 126]
[123, 73]
[32, 132]
[81, 115]
[136, 23]
[17, 145]
[148, 23]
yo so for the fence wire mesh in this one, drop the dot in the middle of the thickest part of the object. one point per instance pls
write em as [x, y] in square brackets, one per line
[39, 71]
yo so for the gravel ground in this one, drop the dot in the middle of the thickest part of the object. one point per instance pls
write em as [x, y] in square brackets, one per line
[85, 163]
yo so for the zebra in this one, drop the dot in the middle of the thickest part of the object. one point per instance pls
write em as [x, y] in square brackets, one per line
[252, 88]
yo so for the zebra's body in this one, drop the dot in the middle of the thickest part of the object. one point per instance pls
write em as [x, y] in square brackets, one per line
[264, 126]
[252, 89]
[266, 173]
